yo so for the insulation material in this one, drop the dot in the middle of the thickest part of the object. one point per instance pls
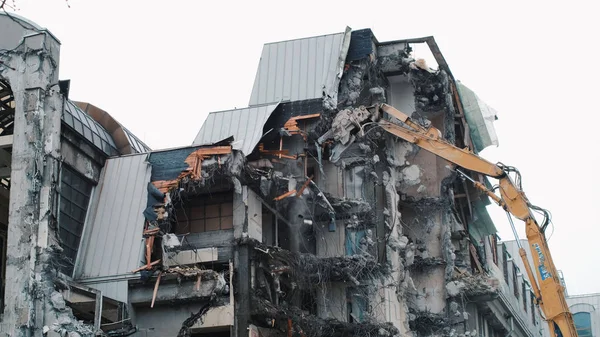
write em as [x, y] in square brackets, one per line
[480, 118]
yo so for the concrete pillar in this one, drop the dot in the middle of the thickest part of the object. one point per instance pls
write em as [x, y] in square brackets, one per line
[241, 261]
[32, 71]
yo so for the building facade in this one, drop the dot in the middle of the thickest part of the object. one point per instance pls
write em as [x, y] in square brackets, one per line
[298, 215]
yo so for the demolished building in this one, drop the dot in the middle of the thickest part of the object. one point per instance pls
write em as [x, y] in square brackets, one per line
[298, 215]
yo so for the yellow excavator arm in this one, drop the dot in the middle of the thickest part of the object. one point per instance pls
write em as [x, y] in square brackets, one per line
[546, 285]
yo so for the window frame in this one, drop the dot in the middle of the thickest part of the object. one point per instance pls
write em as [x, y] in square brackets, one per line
[591, 325]
[85, 209]
[185, 213]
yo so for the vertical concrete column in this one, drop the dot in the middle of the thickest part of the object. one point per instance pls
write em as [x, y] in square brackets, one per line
[241, 263]
[34, 176]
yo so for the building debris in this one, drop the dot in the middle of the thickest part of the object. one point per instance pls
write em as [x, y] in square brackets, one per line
[296, 216]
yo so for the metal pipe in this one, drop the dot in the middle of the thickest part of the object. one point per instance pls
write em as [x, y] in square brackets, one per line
[514, 230]
[464, 175]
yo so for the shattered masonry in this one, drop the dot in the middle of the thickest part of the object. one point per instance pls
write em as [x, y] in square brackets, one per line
[296, 216]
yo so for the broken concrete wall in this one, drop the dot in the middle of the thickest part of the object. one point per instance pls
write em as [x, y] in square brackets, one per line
[29, 64]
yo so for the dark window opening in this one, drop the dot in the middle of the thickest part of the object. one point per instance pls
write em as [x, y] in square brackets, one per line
[205, 213]
[505, 263]
[524, 291]
[532, 308]
[515, 280]
[269, 231]
[75, 191]
[308, 301]
[495, 249]
[310, 170]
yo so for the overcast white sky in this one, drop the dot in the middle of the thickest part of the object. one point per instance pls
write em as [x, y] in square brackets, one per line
[160, 66]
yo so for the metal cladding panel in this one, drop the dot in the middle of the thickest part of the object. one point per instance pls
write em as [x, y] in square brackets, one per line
[116, 290]
[298, 69]
[113, 232]
[245, 125]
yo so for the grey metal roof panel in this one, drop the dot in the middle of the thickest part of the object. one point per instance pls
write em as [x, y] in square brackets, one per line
[113, 242]
[300, 69]
[245, 125]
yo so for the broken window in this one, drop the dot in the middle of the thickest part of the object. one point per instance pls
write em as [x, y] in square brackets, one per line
[204, 214]
[75, 191]
[359, 242]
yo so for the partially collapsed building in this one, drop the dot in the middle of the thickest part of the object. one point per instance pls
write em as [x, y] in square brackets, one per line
[295, 216]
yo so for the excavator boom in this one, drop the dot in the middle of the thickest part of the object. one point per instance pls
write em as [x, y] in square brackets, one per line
[547, 287]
